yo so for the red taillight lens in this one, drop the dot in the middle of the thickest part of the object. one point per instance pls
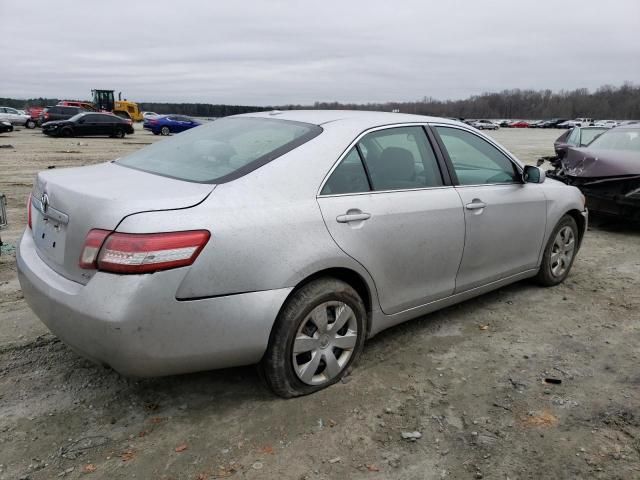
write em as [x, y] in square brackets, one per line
[143, 253]
[29, 211]
[93, 242]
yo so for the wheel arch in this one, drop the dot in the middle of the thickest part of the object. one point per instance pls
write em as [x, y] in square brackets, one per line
[581, 222]
[349, 276]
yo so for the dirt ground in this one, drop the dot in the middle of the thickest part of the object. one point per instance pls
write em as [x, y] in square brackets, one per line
[470, 379]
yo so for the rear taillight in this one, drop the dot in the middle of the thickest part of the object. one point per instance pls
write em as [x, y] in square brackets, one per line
[93, 242]
[29, 211]
[141, 253]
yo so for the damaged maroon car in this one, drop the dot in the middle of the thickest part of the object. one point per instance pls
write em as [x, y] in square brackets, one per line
[607, 171]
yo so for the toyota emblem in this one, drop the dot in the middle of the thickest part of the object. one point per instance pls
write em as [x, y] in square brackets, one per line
[45, 202]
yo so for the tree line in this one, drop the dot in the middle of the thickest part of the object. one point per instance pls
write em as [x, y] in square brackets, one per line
[607, 102]
[614, 102]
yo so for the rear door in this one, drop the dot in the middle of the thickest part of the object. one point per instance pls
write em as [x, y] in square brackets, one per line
[388, 206]
[505, 218]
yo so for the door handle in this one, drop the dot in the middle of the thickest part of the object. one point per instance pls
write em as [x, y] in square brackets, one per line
[475, 205]
[353, 217]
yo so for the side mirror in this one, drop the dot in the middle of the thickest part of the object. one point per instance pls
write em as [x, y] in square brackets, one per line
[533, 174]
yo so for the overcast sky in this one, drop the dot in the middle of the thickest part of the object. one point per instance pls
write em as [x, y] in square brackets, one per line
[272, 52]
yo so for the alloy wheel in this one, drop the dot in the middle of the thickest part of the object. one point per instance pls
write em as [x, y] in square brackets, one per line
[564, 246]
[325, 342]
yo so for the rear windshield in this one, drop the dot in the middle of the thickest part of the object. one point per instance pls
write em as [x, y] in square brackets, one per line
[618, 139]
[222, 150]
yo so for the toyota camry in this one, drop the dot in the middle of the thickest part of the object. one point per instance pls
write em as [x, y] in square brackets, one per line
[285, 239]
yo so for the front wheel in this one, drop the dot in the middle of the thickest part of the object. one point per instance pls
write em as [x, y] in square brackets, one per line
[119, 133]
[559, 253]
[316, 338]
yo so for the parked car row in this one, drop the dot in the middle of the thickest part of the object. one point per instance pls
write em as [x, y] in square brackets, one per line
[551, 123]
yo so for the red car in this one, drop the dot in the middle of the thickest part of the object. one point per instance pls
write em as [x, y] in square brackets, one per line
[35, 112]
[519, 124]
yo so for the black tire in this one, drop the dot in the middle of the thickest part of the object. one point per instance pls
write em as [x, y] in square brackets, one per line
[66, 132]
[119, 133]
[277, 366]
[165, 131]
[31, 124]
[546, 276]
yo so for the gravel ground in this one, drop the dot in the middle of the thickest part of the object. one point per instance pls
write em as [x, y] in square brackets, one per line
[470, 379]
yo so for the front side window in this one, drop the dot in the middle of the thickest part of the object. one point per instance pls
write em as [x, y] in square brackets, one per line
[476, 161]
[574, 137]
[221, 150]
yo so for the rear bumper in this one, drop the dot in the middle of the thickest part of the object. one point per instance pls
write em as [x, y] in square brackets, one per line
[134, 324]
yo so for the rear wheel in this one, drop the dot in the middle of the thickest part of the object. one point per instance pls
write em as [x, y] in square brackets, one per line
[30, 124]
[165, 131]
[317, 336]
[559, 253]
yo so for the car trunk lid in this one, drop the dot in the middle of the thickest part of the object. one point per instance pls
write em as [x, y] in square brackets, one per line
[67, 203]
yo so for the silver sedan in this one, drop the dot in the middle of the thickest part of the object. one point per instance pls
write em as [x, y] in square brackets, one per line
[285, 239]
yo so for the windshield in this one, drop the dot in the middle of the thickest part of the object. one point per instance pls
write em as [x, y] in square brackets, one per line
[221, 150]
[618, 139]
[589, 134]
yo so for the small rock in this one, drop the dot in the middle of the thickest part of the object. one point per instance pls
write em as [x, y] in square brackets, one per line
[257, 466]
[335, 460]
[411, 436]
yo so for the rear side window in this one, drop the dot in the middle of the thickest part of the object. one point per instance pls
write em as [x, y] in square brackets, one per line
[222, 150]
[348, 177]
[399, 159]
[476, 161]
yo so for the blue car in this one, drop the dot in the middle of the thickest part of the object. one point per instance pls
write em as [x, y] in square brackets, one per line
[168, 124]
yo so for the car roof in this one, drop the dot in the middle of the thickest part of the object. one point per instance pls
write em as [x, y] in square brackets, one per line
[627, 126]
[366, 119]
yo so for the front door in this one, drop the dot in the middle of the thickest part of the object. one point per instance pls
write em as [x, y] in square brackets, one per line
[505, 218]
[386, 205]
